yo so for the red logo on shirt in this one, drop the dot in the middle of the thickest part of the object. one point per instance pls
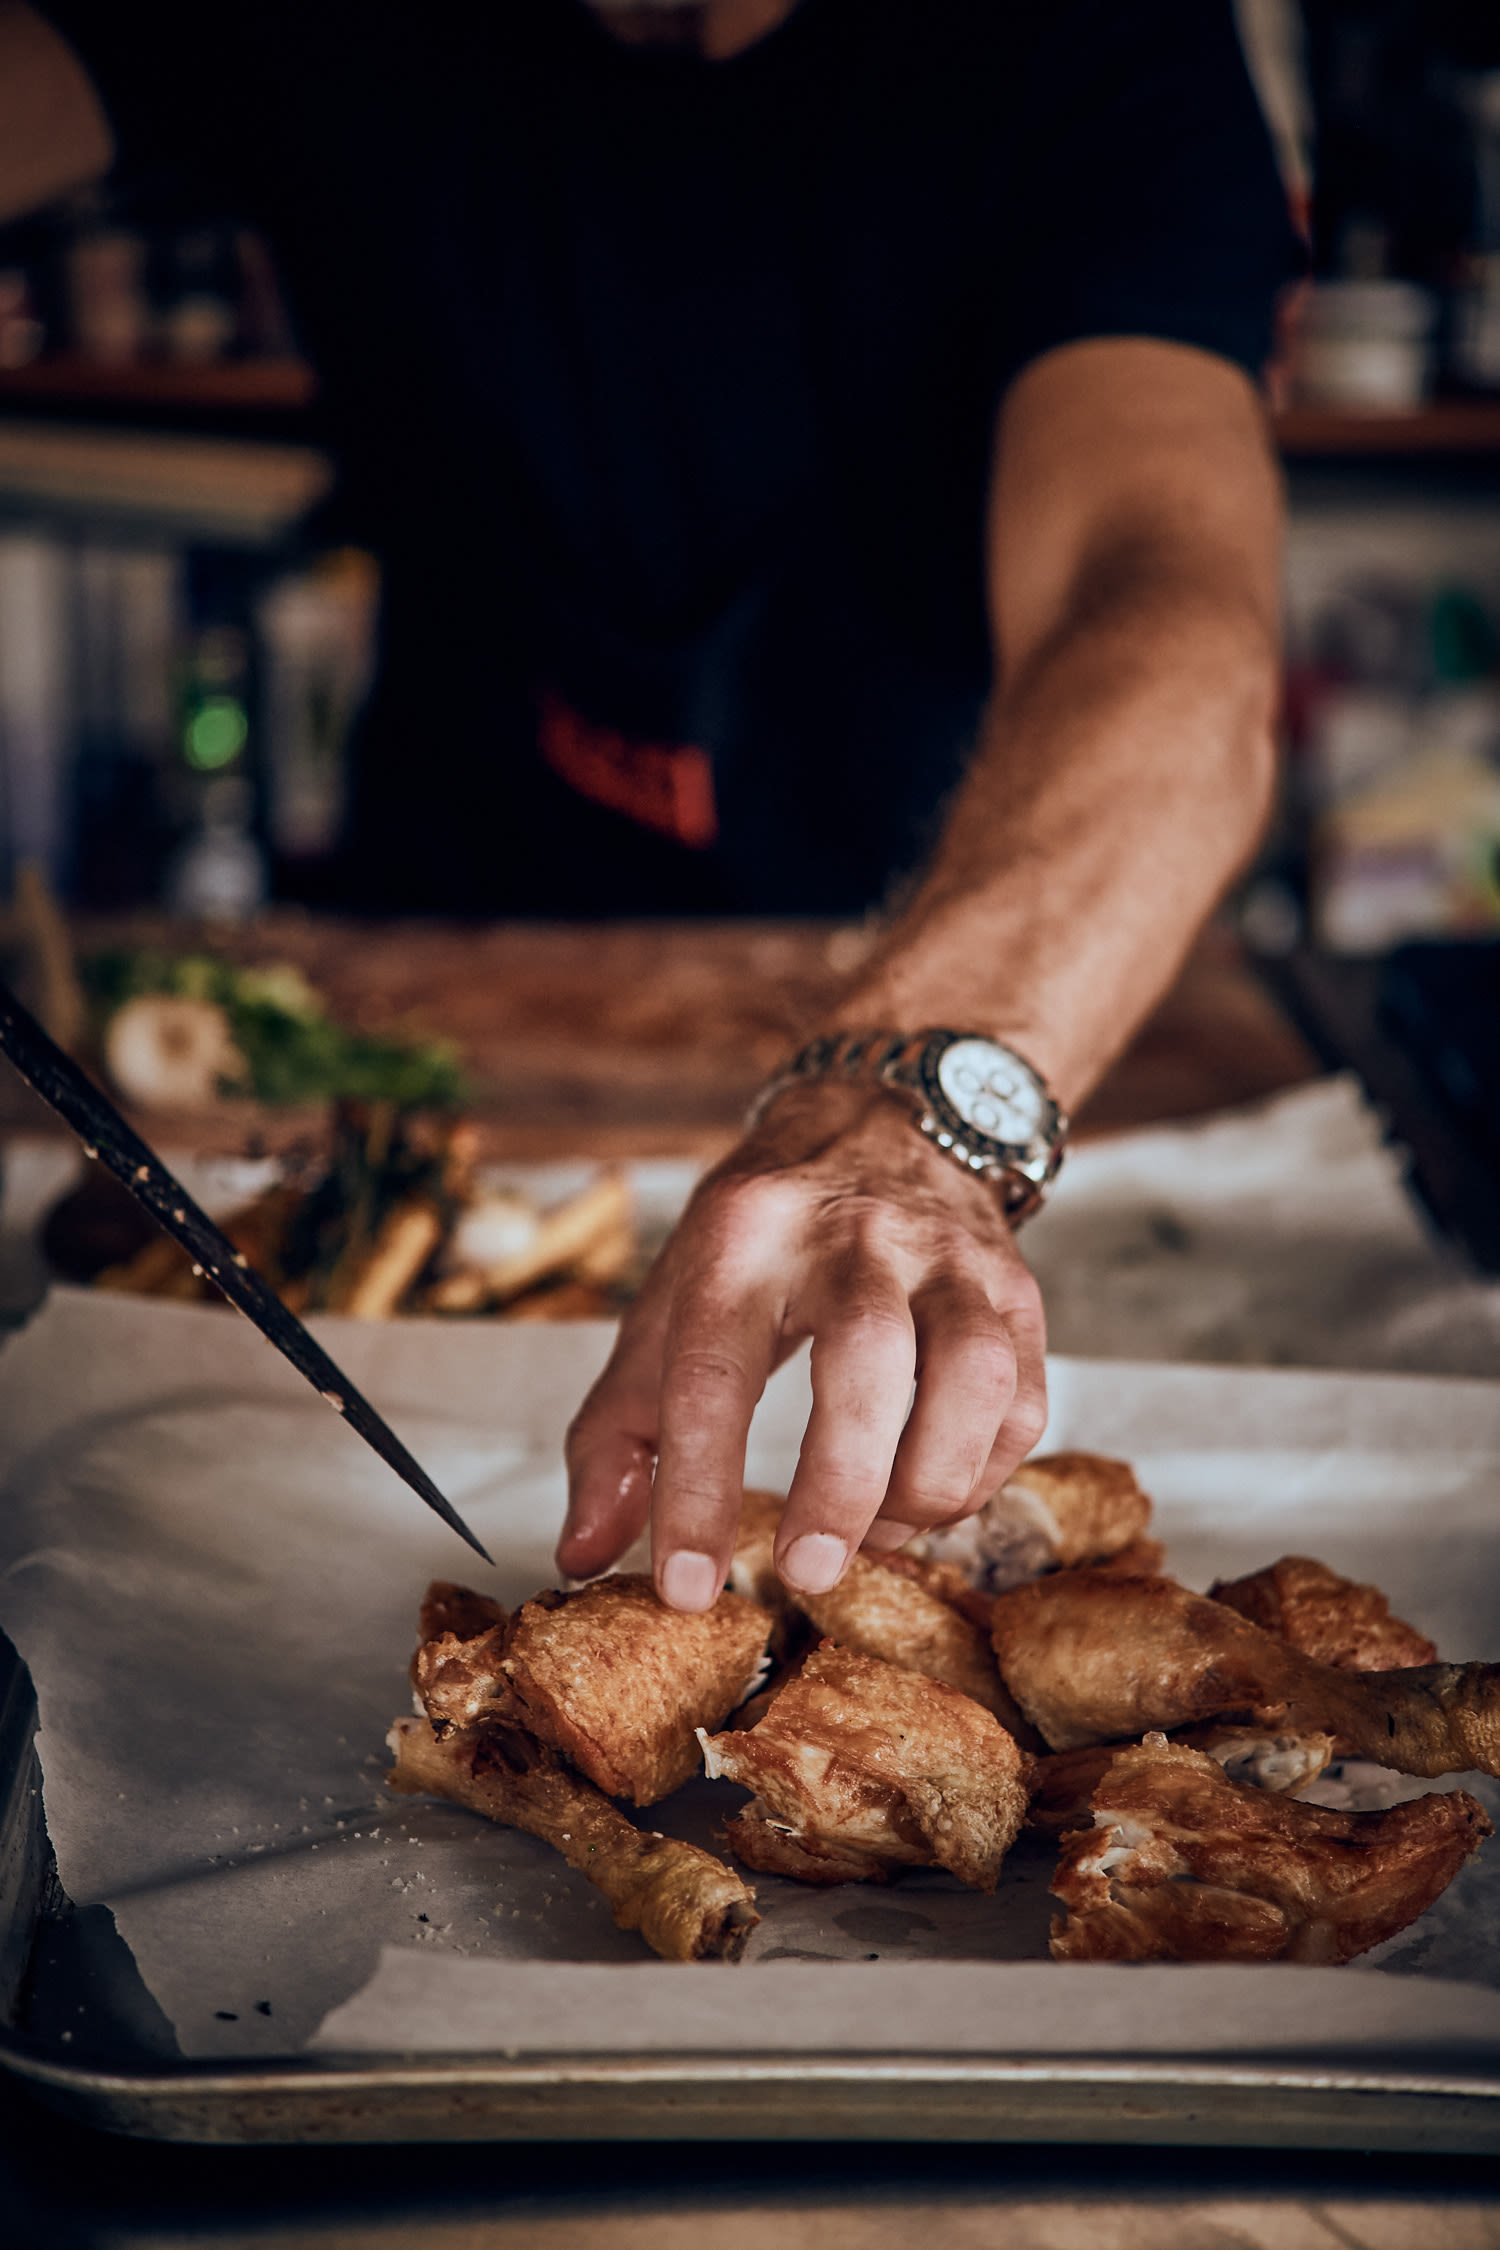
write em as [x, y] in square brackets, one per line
[667, 786]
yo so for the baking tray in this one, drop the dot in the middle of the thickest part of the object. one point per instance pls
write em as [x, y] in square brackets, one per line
[67, 1981]
[752, 2053]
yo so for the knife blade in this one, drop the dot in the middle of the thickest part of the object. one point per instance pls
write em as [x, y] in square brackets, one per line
[106, 1136]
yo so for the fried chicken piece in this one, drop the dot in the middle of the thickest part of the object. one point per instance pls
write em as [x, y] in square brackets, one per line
[753, 1572]
[1283, 1764]
[460, 1678]
[1337, 1620]
[1091, 1657]
[861, 1769]
[449, 1608]
[1091, 1504]
[1182, 1864]
[606, 1673]
[620, 1682]
[1143, 1558]
[1056, 1511]
[686, 1904]
[945, 1581]
[1258, 1758]
[878, 1611]
[899, 1607]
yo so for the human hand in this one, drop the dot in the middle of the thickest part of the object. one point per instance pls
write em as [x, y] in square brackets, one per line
[833, 1220]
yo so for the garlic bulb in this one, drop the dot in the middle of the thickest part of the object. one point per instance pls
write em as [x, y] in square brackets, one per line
[168, 1053]
[496, 1227]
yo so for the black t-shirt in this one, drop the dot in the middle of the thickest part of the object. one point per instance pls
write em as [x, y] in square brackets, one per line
[666, 389]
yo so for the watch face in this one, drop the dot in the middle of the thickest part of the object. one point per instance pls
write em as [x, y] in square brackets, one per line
[993, 1092]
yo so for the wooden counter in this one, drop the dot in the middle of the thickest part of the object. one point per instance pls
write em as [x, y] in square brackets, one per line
[640, 1039]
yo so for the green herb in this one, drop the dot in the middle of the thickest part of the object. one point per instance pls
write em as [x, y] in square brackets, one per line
[293, 1050]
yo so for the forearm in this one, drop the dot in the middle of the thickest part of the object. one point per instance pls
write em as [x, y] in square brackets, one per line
[1125, 767]
[1122, 776]
[1120, 782]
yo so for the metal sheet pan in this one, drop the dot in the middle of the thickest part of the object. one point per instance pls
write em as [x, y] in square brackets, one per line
[113, 2080]
[78, 2023]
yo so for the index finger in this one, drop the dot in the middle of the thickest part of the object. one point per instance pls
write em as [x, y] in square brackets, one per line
[717, 1358]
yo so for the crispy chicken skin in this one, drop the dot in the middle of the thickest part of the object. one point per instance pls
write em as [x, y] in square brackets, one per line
[1182, 1864]
[606, 1674]
[447, 1608]
[1337, 1620]
[945, 1581]
[1063, 1783]
[620, 1682]
[877, 1611]
[1091, 1657]
[1143, 1558]
[1057, 1510]
[461, 1683]
[1094, 1502]
[860, 1769]
[907, 1610]
[687, 1905]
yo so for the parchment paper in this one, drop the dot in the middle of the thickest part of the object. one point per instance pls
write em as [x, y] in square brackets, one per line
[215, 1584]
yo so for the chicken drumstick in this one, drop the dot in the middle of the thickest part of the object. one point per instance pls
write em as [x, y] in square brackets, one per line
[1092, 1657]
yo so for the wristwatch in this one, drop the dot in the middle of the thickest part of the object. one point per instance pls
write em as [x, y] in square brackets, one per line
[978, 1101]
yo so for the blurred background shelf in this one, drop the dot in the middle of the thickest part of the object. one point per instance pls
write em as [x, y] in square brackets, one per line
[1444, 426]
[205, 487]
[277, 385]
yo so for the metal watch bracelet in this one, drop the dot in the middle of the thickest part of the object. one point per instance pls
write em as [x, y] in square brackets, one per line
[896, 1060]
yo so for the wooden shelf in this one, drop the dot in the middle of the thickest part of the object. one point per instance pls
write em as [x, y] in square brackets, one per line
[1445, 426]
[214, 487]
[270, 385]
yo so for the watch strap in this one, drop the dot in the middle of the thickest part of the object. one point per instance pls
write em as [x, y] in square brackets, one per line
[893, 1059]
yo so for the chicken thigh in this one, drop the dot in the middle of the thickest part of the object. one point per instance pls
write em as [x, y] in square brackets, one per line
[1182, 1864]
[860, 1769]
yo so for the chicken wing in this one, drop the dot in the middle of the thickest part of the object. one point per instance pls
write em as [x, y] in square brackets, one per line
[1092, 1657]
[1056, 1511]
[1182, 1864]
[686, 1904]
[1337, 1620]
[1063, 1784]
[861, 1769]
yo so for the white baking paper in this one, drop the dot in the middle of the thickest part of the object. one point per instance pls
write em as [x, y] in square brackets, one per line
[215, 1584]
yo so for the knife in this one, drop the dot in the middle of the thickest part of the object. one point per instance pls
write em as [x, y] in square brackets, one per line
[105, 1135]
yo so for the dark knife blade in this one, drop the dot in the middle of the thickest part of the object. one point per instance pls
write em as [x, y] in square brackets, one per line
[105, 1135]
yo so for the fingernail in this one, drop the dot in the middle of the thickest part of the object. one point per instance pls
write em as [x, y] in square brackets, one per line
[883, 1538]
[814, 1562]
[689, 1580]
